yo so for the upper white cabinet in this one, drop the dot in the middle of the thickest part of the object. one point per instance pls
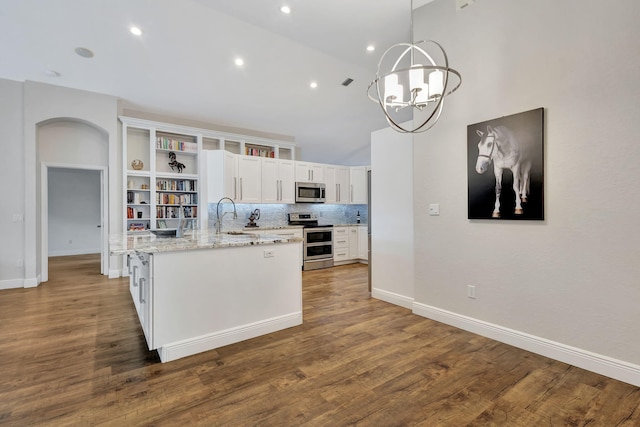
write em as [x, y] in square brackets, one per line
[249, 179]
[358, 185]
[309, 172]
[221, 175]
[278, 181]
[337, 184]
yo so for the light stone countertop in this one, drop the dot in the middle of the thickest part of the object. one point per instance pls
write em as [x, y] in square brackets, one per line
[150, 243]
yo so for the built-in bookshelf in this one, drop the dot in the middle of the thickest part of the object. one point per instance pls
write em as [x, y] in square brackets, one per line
[161, 173]
[162, 170]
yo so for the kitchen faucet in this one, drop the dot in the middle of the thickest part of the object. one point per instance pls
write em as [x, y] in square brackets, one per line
[219, 218]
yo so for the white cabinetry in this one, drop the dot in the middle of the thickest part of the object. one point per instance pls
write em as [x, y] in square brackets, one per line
[363, 242]
[350, 244]
[341, 244]
[278, 181]
[141, 288]
[358, 183]
[337, 184]
[309, 172]
[235, 176]
[249, 179]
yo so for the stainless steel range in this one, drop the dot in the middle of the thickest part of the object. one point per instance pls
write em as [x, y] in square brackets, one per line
[318, 241]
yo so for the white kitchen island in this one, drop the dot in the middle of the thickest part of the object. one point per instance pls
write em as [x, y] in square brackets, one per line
[204, 291]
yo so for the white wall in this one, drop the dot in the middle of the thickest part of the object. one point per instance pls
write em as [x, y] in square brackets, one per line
[573, 279]
[74, 211]
[11, 174]
[391, 217]
[42, 103]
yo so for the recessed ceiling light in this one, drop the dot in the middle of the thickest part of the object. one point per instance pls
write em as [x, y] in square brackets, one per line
[371, 48]
[84, 52]
[239, 62]
[313, 85]
[285, 9]
[136, 31]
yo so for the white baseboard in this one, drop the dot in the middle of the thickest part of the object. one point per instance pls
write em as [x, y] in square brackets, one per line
[114, 273]
[11, 284]
[32, 282]
[208, 342]
[392, 298]
[604, 365]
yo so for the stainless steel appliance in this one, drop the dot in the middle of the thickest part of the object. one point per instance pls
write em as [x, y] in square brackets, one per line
[310, 192]
[318, 241]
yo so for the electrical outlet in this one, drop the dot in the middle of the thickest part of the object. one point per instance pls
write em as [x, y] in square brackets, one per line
[269, 253]
[18, 218]
[471, 291]
[434, 209]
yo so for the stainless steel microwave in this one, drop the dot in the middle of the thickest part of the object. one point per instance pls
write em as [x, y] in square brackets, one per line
[310, 192]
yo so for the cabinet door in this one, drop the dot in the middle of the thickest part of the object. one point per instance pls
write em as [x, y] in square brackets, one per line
[309, 172]
[286, 172]
[358, 185]
[270, 181]
[363, 243]
[303, 172]
[331, 190]
[249, 179]
[342, 181]
[230, 177]
[353, 242]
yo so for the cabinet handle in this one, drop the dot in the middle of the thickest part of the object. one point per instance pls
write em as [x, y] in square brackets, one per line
[337, 192]
[351, 193]
[240, 188]
[279, 196]
[140, 294]
[135, 281]
[235, 188]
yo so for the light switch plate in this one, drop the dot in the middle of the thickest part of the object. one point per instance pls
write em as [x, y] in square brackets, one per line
[434, 209]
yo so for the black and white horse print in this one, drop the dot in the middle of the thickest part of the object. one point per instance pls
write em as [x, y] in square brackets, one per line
[174, 163]
[500, 146]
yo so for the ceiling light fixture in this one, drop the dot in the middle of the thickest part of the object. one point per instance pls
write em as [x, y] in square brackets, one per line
[239, 62]
[84, 52]
[285, 10]
[313, 85]
[136, 31]
[371, 48]
[414, 80]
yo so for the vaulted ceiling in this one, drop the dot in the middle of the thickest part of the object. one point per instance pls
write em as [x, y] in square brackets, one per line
[183, 63]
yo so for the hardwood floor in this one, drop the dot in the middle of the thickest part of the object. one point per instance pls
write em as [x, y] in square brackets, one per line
[72, 354]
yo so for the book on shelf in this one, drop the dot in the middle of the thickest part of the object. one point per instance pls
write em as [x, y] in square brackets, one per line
[176, 185]
[165, 143]
[259, 152]
[137, 226]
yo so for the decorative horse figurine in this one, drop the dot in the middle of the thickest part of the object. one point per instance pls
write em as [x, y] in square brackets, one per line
[174, 163]
[506, 151]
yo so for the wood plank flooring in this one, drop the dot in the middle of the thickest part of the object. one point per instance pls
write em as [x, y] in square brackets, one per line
[72, 354]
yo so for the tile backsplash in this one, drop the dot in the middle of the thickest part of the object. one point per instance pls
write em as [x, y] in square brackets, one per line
[275, 215]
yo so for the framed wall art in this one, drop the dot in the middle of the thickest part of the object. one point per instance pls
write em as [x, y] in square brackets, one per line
[505, 162]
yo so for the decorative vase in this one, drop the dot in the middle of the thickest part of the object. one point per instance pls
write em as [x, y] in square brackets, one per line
[137, 164]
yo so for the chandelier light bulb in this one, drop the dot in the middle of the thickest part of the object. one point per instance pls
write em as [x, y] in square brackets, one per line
[436, 83]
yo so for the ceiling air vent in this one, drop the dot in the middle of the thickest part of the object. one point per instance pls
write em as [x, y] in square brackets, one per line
[347, 82]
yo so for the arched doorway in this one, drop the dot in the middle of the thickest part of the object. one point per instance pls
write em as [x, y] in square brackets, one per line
[70, 145]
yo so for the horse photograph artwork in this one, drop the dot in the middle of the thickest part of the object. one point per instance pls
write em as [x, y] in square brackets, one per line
[505, 167]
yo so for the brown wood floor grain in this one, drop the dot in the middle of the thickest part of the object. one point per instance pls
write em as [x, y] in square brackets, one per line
[72, 354]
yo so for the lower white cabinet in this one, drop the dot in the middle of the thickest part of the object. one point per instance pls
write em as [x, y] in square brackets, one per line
[350, 244]
[141, 289]
[363, 242]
